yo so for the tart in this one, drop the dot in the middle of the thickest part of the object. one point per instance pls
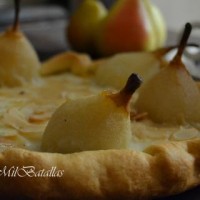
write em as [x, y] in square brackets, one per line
[62, 137]
[162, 159]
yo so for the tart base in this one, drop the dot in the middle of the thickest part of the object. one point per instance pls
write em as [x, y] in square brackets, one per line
[161, 170]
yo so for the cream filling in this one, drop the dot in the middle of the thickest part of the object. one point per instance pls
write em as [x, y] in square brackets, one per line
[25, 111]
[147, 133]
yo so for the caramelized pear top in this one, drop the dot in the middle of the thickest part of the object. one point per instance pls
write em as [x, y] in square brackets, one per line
[123, 97]
[177, 62]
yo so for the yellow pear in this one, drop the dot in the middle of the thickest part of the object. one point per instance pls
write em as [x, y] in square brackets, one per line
[92, 123]
[171, 96]
[158, 24]
[19, 62]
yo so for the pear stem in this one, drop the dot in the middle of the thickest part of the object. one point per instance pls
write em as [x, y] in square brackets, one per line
[123, 97]
[183, 43]
[133, 83]
[16, 18]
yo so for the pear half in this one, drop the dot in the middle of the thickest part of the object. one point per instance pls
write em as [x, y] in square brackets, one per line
[19, 62]
[92, 123]
[171, 96]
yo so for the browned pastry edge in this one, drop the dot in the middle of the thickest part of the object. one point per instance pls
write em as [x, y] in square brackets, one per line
[161, 170]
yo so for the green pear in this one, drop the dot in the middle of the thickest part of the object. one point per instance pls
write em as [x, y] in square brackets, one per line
[171, 96]
[83, 25]
[92, 123]
[19, 62]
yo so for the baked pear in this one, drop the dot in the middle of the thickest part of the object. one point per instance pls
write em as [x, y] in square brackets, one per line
[19, 62]
[92, 123]
[171, 96]
[115, 71]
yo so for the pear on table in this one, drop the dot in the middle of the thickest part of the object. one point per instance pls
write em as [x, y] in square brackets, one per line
[92, 123]
[19, 62]
[83, 24]
[171, 96]
[131, 25]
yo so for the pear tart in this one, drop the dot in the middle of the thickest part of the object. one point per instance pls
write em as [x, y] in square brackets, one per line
[62, 136]
[153, 160]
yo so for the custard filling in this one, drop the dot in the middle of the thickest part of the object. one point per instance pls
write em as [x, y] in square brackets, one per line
[26, 110]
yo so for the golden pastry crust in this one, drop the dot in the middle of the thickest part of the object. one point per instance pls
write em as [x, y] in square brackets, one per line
[80, 64]
[108, 174]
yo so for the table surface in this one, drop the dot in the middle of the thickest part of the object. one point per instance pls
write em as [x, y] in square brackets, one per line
[46, 30]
